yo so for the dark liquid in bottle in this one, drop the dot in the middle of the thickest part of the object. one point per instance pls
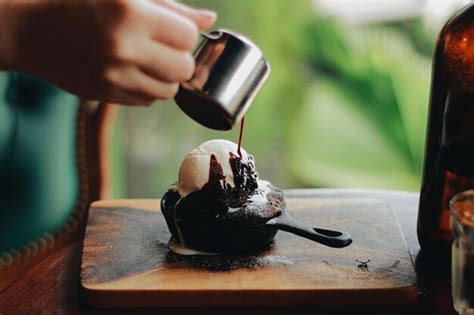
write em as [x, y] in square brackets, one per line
[449, 155]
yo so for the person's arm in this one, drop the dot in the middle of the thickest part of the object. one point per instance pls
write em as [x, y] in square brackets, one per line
[128, 52]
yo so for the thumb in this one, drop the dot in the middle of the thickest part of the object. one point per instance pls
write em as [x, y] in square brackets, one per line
[203, 18]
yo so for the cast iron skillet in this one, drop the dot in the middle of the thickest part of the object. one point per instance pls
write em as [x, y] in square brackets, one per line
[205, 224]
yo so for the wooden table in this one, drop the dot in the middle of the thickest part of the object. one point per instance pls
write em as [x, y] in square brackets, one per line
[53, 285]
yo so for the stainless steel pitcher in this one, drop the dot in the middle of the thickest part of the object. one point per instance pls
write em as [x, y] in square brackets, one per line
[229, 72]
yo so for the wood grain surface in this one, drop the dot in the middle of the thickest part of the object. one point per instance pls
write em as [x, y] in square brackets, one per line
[52, 286]
[126, 262]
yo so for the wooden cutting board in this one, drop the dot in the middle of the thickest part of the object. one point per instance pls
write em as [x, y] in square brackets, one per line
[126, 262]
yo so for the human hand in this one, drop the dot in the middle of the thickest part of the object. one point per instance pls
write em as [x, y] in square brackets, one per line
[127, 52]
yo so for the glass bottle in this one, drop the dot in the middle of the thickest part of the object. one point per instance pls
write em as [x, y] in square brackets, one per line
[449, 152]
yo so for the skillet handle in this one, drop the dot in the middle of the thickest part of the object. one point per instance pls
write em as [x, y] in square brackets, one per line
[326, 237]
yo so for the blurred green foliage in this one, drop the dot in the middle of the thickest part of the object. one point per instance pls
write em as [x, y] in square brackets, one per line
[344, 106]
[366, 109]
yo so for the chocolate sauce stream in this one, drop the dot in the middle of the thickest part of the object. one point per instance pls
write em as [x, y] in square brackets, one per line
[245, 177]
[245, 180]
[240, 136]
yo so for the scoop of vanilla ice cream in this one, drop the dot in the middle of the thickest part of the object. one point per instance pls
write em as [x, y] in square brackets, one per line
[194, 170]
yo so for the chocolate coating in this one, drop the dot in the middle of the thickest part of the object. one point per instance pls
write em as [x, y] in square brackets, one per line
[206, 218]
[205, 223]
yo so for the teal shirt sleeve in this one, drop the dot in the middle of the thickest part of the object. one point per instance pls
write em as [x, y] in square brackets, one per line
[6, 122]
[38, 173]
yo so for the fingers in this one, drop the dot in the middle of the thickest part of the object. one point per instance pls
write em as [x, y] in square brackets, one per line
[175, 24]
[165, 33]
[167, 64]
[203, 18]
[154, 89]
[171, 28]
[134, 87]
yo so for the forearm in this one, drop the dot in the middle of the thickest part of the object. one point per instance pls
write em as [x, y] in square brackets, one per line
[9, 15]
[121, 51]
[32, 33]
